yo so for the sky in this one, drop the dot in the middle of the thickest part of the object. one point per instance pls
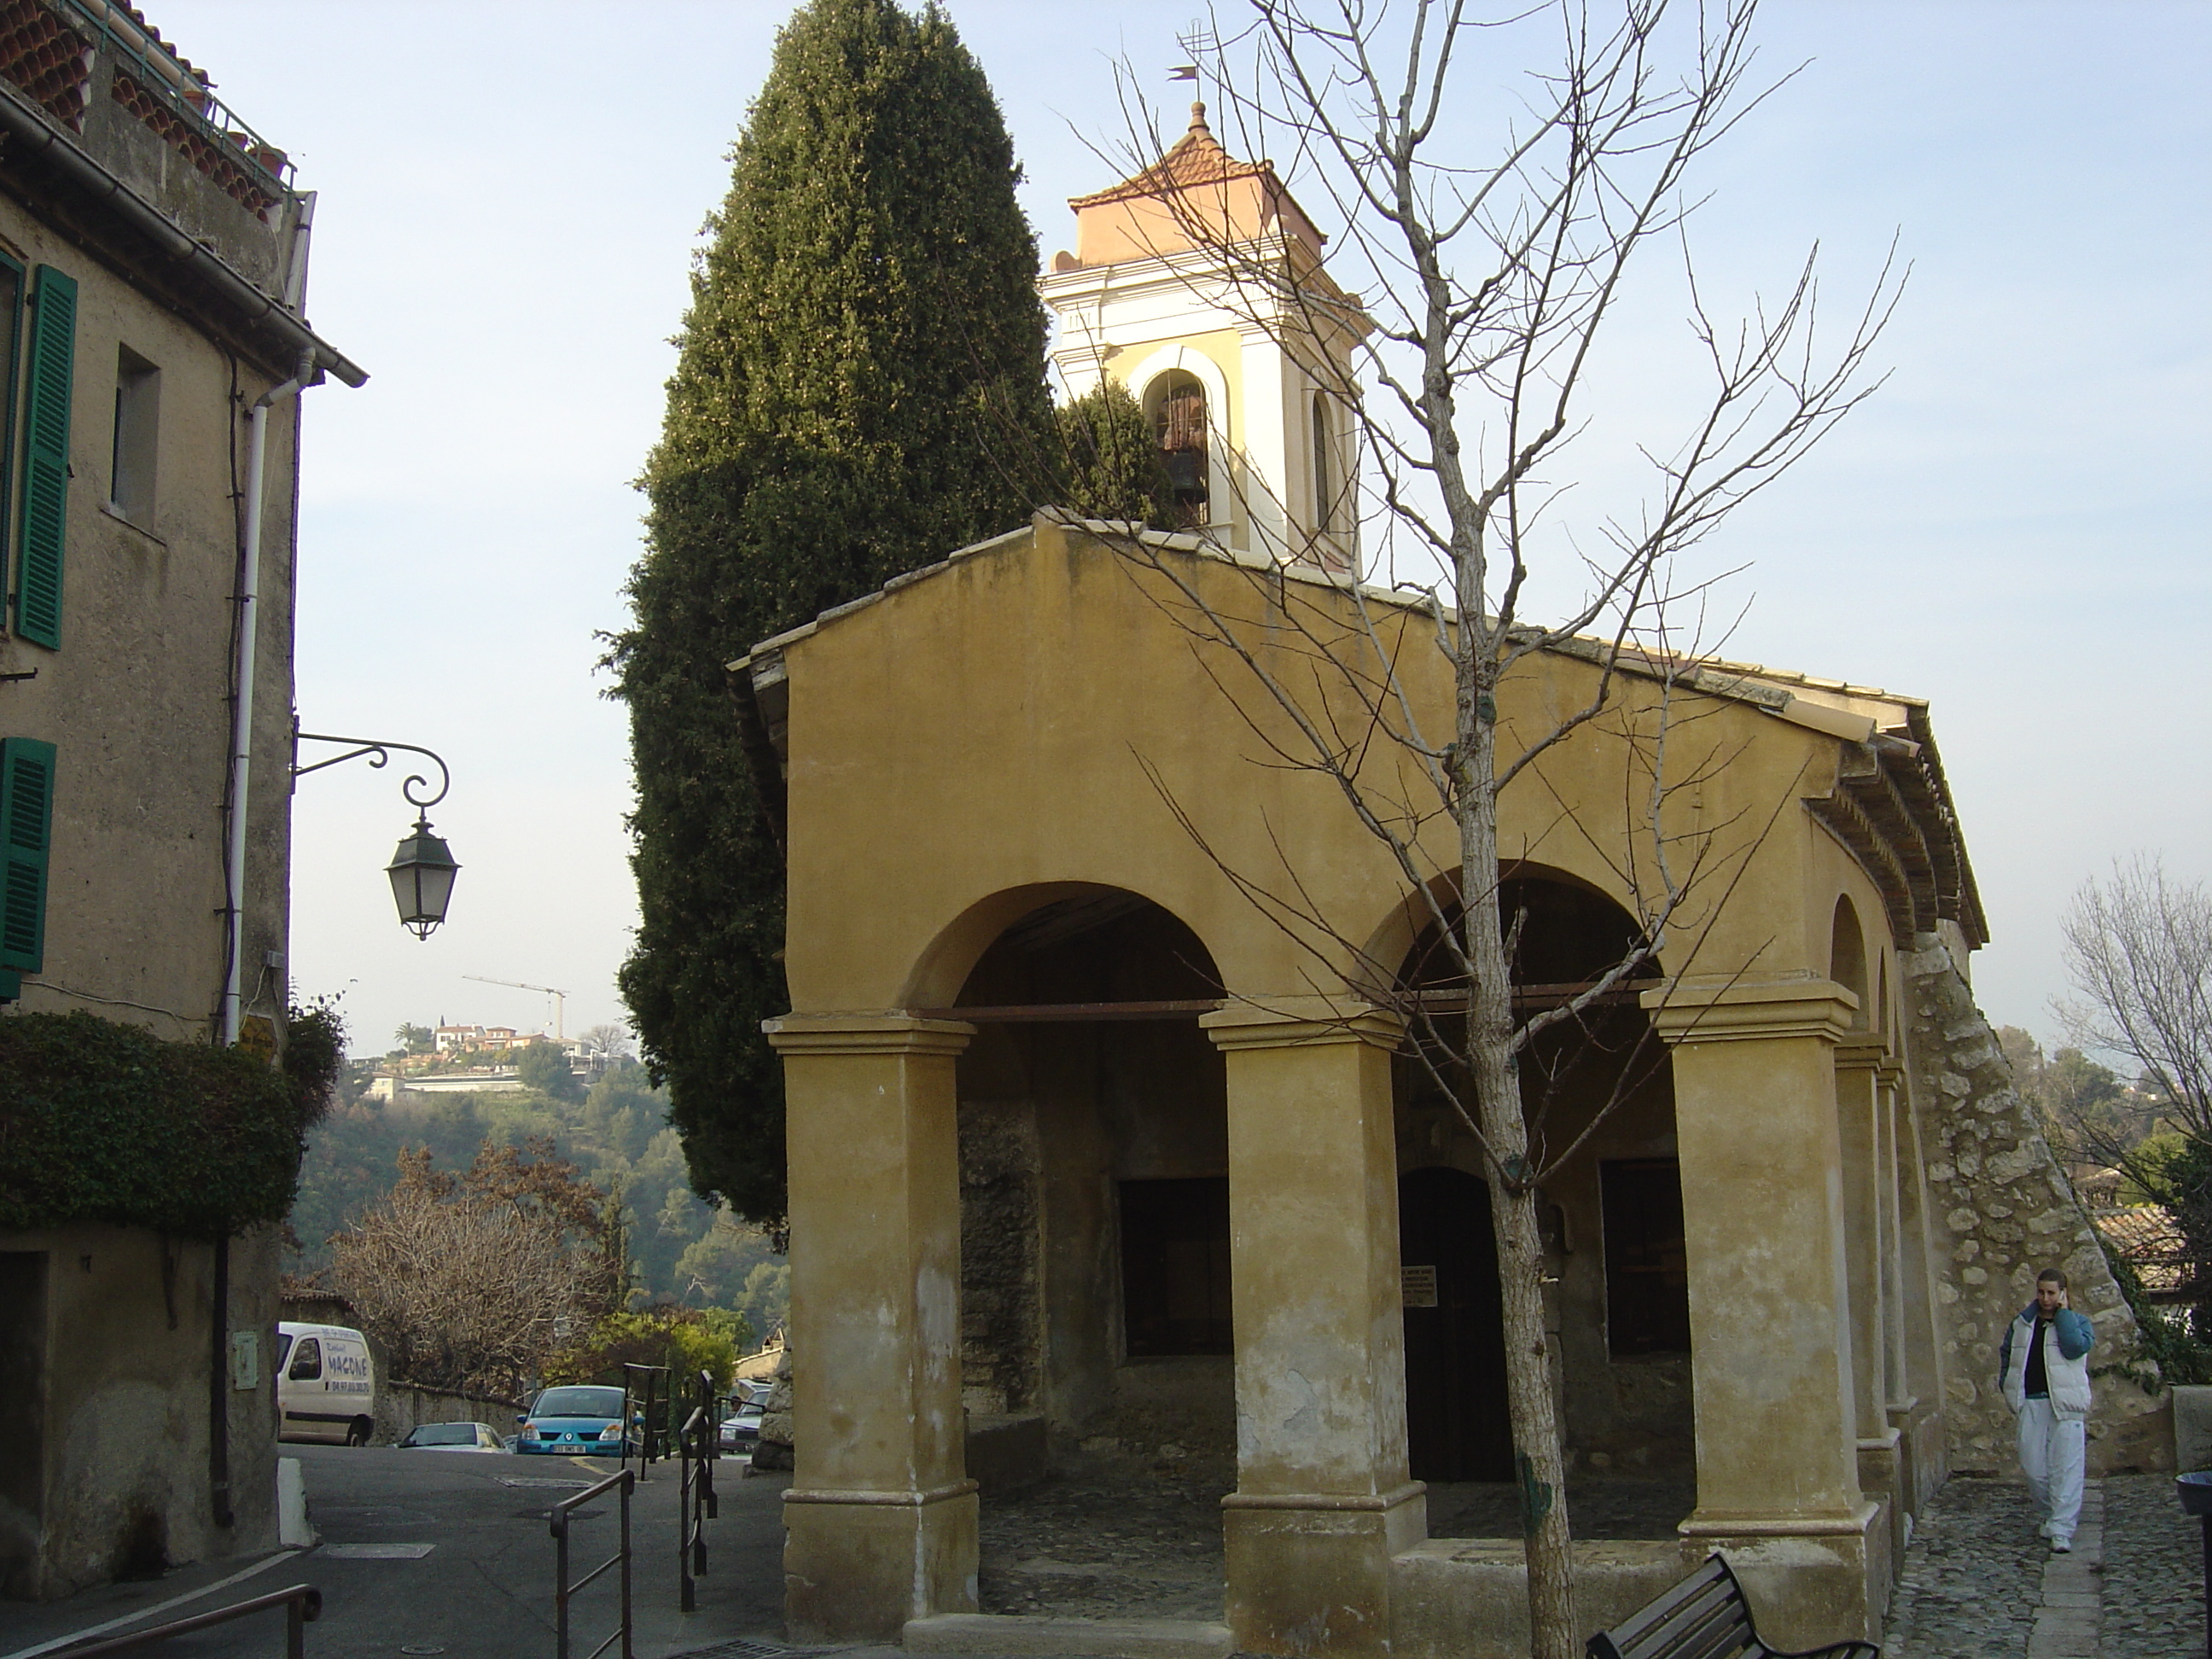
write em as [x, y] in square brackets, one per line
[2014, 528]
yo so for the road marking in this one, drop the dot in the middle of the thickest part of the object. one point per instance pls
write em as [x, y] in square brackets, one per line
[375, 1552]
[75, 1637]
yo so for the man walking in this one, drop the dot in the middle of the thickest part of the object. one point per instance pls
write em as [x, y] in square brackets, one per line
[2045, 1366]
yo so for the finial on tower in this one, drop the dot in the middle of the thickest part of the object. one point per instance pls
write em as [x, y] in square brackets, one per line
[1198, 119]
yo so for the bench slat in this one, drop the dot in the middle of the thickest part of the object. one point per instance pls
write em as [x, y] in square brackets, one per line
[1706, 1616]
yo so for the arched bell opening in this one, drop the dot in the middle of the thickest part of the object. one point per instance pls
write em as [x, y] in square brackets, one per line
[1096, 1326]
[1617, 1291]
[1175, 404]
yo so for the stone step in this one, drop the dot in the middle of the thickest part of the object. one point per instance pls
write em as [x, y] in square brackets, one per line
[991, 1634]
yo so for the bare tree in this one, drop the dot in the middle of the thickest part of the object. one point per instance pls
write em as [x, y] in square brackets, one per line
[475, 1281]
[2139, 951]
[610, 1041]
[1477, 292]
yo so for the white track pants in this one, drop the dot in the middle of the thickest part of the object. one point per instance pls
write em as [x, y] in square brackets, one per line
[2050, 1456]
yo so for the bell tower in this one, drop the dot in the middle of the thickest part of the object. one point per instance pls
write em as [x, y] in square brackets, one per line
[1198, 284]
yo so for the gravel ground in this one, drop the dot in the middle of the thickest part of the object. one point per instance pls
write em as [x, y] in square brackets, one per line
[2154, 1571]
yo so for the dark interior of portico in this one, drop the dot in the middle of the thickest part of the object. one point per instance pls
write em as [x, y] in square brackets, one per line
[1097, 1340]
[1618, 1297]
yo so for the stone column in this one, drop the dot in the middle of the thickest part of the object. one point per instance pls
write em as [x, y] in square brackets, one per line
[1926, 1392]
[1322, 1500]
[881, 1517]
[1896, 1391]
[1868, 1198]
[1769, 1303]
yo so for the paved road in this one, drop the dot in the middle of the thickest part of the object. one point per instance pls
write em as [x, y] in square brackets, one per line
[438, 1552]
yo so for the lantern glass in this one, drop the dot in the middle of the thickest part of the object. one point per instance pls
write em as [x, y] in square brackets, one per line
[421, 872]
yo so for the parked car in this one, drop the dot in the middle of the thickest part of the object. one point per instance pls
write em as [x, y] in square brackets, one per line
[740, 1430]
[454, 1437]
[326, 1384]
[576, 1419]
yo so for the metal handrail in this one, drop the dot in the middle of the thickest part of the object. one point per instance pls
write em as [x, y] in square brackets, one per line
[652, 1442]
[697, 1443]
[303, 1602]
[563, 1590]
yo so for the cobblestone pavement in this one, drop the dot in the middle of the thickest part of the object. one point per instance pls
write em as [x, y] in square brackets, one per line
[2154, 1571]
[1979, 1583]
[1106, 1544]
[1129, 1542]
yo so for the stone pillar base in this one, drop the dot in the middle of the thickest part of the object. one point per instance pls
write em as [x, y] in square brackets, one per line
[1310, 1573]
[1883, 1479]
[1811, 1580]
[857, 1565]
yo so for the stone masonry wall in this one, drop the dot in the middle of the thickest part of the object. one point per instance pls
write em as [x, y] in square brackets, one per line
[2001, 1211]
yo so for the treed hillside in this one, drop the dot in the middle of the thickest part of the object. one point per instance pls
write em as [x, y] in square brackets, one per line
[617, 1135]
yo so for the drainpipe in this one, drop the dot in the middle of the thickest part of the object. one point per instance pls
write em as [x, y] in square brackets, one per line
[241, 726]
[218, 1389]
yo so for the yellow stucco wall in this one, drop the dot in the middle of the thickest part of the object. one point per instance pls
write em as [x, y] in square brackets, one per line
[1033, 715]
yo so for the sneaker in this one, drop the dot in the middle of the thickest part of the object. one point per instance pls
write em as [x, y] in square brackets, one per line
[2061, 1546]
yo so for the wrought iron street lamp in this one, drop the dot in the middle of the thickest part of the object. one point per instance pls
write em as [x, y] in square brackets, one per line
[422, 870]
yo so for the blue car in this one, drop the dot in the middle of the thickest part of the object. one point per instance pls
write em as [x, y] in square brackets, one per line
[578, 1420]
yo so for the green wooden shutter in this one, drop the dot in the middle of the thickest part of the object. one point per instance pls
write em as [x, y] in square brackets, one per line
[45, 456]
[27, 819]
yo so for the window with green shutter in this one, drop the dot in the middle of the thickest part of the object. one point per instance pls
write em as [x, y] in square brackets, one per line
[26, 818]
[53, 355]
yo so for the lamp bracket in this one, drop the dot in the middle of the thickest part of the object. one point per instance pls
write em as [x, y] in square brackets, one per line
[378, 751]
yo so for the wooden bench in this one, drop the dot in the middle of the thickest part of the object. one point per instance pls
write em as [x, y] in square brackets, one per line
[1705, 1617]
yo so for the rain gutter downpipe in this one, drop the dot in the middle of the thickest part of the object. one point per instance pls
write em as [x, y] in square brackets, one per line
[242, 724]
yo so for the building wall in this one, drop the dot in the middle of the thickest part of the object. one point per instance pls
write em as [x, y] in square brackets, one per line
[137, 700]
[1048, 734]
[113, 1477]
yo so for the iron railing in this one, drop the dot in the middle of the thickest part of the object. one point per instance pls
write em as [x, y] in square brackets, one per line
[564, 1592]
[698, 1444]
[303, 1603]
[166, 79]
[645, 1401]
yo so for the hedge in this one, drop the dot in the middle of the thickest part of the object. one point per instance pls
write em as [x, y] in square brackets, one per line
[101, 1122]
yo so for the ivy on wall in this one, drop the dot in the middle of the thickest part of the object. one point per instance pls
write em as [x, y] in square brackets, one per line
[100, 1122]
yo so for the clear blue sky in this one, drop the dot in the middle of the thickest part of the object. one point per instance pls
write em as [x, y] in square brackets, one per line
[2015, 529]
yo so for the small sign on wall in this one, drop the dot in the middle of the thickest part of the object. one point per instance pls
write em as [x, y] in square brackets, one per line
[245, 1360]
[1418, 1287]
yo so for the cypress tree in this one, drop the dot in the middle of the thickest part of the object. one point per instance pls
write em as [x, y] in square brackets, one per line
[864, 349]
[1108, 460]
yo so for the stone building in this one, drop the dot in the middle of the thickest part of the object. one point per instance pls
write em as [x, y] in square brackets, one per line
[153, 261]
[1104, 1124]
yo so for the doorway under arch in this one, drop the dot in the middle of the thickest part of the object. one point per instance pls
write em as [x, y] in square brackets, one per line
[1457, 1427]
[1613, 1217]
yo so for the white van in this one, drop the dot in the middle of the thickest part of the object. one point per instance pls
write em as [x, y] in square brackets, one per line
[326, 1384]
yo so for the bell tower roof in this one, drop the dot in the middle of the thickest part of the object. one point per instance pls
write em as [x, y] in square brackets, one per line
[1197, 195]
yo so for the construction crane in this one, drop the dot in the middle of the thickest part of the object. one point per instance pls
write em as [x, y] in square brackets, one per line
[560, 997]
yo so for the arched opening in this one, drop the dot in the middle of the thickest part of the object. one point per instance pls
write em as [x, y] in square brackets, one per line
[1614, 1227]
[1324, 468]
[1847, 960]
[1176, 403]
[1096, 1321]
